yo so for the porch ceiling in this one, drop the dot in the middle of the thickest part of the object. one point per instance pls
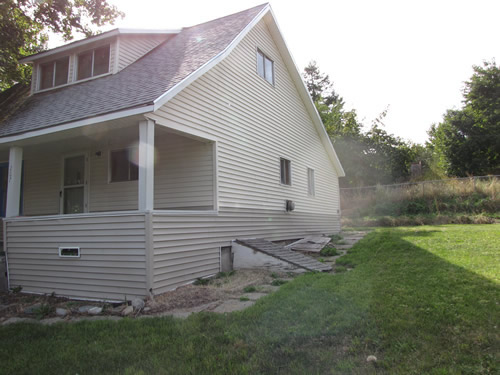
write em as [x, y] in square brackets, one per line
[83, 136]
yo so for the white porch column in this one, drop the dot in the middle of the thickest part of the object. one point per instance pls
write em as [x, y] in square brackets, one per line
[14, 182]
[146, 165]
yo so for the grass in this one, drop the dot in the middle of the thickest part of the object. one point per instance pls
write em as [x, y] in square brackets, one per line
[423, 300]
[250, 289]
[443, 202]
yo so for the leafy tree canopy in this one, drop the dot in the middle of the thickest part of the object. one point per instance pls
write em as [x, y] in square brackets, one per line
[24, 27]
[369, 157]
[467, 141]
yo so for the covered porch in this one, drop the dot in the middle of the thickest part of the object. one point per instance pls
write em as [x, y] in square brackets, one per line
[80, 206]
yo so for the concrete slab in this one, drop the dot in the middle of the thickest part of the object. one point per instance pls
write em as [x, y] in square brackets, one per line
[232, 305]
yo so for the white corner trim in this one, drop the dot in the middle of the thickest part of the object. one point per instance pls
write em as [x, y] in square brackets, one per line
[165, 97]
[77, 124]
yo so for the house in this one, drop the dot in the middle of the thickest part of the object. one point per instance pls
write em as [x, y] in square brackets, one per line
[139, 154]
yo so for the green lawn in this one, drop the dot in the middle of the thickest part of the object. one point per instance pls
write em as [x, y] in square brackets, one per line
[423, 300]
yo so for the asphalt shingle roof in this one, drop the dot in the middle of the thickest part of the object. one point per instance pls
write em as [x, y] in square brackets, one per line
[137, 85]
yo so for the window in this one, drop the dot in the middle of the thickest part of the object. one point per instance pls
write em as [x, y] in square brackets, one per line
[93, 63]
[286, 171]
[54, 73]
[69, 252]
[265, 67]
[123, 165]
[310, 182]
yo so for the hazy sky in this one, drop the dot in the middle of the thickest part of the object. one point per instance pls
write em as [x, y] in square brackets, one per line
[412, 56]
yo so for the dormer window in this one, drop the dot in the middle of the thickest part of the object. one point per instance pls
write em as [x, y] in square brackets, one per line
[54, 73]
[93, 62]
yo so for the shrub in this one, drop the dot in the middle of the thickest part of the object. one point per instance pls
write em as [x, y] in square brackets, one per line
[249, 289]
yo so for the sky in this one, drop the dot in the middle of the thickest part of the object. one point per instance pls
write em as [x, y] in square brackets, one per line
[410, 56]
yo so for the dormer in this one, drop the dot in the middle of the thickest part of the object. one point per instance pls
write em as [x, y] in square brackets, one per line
[92, 58]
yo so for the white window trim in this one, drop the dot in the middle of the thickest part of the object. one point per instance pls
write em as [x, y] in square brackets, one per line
[259, 51]
[290, 172]
[312, 193]
[69, 256]
[109, 165]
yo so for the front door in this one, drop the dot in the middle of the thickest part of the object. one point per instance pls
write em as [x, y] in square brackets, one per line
[74, 185]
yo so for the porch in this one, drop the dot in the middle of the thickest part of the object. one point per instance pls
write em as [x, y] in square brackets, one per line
[80, 204]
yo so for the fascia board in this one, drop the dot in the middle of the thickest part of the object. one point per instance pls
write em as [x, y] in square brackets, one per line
[303, 92]
[83, 42]
[76, 124]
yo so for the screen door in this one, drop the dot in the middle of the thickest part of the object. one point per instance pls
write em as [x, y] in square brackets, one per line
[73, 189]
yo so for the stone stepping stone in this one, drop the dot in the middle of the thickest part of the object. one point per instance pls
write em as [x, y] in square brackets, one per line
[267, 288]
[232, 305]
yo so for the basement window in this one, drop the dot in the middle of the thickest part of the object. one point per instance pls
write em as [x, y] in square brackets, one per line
[93, 62]
[285, 171]
[54, 73]
[123, 165]
[69, 252]
[265, 67]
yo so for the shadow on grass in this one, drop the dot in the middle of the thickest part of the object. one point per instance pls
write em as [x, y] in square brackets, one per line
[416, 312]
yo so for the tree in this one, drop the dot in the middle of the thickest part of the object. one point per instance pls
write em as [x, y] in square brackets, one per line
[369, 158]
[24, 27]
[467, 141]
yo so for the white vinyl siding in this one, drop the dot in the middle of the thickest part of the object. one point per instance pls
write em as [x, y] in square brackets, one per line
[133, 47]
[112, 262]
[254, 130]
[184, 173]
[187, 247]
[42, 184]
[105, 196]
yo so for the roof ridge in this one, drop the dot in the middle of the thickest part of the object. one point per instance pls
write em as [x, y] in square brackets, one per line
[263, 5]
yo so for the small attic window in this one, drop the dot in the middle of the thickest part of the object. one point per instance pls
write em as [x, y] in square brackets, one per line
[265, 67]
[54, 73]
[93, 62]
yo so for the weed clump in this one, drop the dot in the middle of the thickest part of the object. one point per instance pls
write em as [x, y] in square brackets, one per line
[328, 251]
[278, 282]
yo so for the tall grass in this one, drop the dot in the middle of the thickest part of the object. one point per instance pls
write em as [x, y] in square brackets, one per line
[446, 198]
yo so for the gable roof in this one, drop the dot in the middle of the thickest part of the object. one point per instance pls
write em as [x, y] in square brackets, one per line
[151, 81]
[138, 85]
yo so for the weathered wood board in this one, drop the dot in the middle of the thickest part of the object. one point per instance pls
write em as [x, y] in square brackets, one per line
[311, 244]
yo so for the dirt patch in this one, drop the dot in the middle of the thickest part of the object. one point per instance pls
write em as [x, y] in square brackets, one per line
[223, 287]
